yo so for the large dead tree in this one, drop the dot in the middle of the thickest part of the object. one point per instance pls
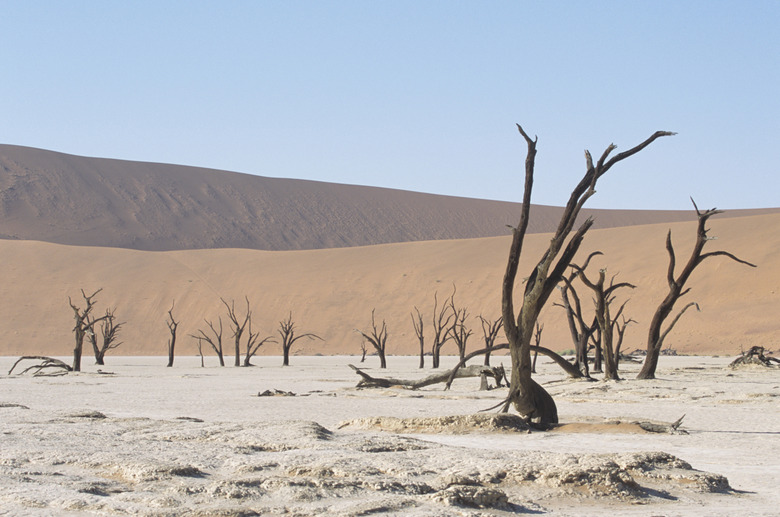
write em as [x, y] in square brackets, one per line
[238, 326]
[109, 332]
[441, 324]
[490, 330]
[377, 336]
[85, 325]
[603, 298]
[656, 334]
[172, 326]
[529, 398]
[417, 323]
[214, 341]
[287, 333]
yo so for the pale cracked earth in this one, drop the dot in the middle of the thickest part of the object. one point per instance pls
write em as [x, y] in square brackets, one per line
[136, 438]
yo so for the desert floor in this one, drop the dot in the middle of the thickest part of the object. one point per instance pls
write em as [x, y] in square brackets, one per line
[138, 438]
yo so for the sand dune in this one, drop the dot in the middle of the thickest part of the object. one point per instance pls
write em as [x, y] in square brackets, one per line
[66, 199]
[331, 292]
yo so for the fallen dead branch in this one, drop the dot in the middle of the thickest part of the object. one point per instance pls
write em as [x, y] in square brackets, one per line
[48, 366]
[368, 381]
[754, 356]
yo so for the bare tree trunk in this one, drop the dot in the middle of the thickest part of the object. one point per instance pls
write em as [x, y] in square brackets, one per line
[655, 336]
[84, 325]
[287, 333]
[238, 326]
[417, 322]
[378, 338]
[172, 326]
[441, 322]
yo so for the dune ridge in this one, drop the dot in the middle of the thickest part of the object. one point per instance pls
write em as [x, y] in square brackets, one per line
[75, 200]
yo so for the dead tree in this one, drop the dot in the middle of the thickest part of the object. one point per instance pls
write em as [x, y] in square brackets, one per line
[603, 298]
[620, 328]
[377, 336]
[441, 325]
[199, 341]
[172, 326]
[655, 336]
[458, 331]
[287, 333]
[254, 343]
[215, 341]
[529, 398]
[85, 325]
[537, 345]
[237, 326]
[417, 322]
[363, 350]
[109, 331]
[581, 332]
[490, 330]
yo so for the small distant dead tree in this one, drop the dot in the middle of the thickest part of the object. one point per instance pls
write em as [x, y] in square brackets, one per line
[656, 336]
[215, 341]
[620, 328]
[529, 399]
[199, 342]
[254, 343]
[109, 330]
[458, 331]
[441, 324]
[537, 343]
[417, 322]
[238, 326]
[172, 326]
[490, 330]
[287, 333]
[377, 336]
[85, 325]
[364, 351]
[603, 298]
[581, 332]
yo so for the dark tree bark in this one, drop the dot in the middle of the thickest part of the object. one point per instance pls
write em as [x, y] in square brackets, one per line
[109, 331]
[417, 322]
[528, 398]
[369, 381]
[377, 336]
[656, 335]
[215, 342]
[565, 365]
[603, 298]
[580, 331]
[441, 324]
[254, 343]
[458, 331]
[85, 325]
[287, 333]
[172, 326]
[238, 326]
[753, 356]
[490, 330]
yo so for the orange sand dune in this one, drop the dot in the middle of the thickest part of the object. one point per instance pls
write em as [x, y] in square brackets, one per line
[331, 292]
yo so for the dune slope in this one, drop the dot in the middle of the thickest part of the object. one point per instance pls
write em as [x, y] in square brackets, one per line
[331, 292]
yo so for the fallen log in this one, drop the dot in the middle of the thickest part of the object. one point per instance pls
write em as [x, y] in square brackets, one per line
[41, 369]
[368, 381]
[754, 356]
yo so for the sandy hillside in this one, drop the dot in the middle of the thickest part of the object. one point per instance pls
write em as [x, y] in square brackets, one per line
[75, 200]
[200, 441]
[331, 292]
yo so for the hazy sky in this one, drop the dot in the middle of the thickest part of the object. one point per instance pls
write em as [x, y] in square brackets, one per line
[416, 95]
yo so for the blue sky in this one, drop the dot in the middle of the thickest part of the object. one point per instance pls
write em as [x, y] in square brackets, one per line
[415, 95]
